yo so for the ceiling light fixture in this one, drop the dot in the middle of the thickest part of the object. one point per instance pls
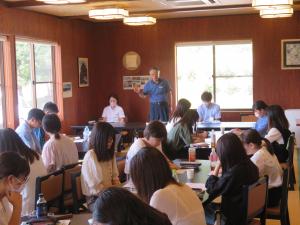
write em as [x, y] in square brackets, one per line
[139, 20]
[264, 4]
[60, 2]
[273, 12]
[108, 13]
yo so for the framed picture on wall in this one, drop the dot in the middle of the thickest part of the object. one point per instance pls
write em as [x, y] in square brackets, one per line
[83, 68]
[290, 54]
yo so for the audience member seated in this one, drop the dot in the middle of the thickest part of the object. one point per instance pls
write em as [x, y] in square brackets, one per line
[208, 111]
[181, 134]
[260, 111]
[59, 150]
[266, 161]
[279, 132]
[155, 135]
[237, 170]
[182, 106]
[118, 206]
[152, 177]
[49, 108]
[25, 129]
[99, 168]
[14, 171]
[113, 113]
[11, 142]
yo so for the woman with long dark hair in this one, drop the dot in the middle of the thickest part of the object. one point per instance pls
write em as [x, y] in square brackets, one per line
[182, 106]
[99, 168]
[266, 161]
[152, 177]
[59, 150]
[278, 133]
[237, 171]
[11, 142]
[117, 206]
[14, 171]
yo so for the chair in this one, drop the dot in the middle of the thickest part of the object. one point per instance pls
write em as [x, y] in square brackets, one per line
[246, 117]
[68, 171]
[51, 186]
[78, 197]
[281, 212]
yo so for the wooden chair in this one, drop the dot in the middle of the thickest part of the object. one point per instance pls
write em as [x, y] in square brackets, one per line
[51, 186]
[281, 212]
[246, 117]
[68, 171]
[78, 197]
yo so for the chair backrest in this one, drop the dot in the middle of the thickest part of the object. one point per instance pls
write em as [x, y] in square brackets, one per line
[290, 147]
[78, 197]
[68, 170]
[51, 186]
[285, 190]
[246, 117]
[255, 199]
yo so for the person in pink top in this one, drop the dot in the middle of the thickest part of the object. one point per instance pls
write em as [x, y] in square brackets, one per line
[59, 150]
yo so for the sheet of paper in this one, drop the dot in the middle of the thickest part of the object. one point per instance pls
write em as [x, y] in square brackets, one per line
[196, 186]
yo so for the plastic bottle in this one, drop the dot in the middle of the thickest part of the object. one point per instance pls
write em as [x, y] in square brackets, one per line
[174, 174]
[41, 206]
[213, 158]
[86, 133]
[213, 139]
[192, 154]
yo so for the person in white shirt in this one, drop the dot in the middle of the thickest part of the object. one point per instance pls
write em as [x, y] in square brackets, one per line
[152, 178]
[264, 158]
[14, 171]
[11, 142]
[155, 135]
[182, 106]
[59, 150]
[278, 133]
[99, 168]
[113, 113]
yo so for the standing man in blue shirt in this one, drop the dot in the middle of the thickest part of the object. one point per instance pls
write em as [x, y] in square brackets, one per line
[160, 94]
[208, 111]
[260, 111]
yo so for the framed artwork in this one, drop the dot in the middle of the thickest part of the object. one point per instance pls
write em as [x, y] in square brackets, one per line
[83, 71]
[290, 54]
[129, 82]
[67, 89]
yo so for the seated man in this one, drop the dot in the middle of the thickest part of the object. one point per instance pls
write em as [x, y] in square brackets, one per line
[208, 111]
[25, 129]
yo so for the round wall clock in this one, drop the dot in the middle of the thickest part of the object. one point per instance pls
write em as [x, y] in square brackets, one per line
[131, 60]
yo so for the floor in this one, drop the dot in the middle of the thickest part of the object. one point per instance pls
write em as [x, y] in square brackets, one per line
[294, 198]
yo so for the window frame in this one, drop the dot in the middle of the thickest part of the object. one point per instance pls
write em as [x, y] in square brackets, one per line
[3, 39]
[214, 76]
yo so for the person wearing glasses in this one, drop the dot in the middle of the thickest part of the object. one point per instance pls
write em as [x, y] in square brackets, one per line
[11, 142]
[14, 171]
[25, 129]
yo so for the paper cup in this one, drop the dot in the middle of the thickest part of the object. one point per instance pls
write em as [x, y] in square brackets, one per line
[190, 174]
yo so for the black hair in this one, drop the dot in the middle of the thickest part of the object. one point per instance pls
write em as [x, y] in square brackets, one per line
[206, 96]
[230, 151]
[113, 96]
[155, 129]
[100, 135]
[277, 118]
[36, 113]
[50, 107]
[252, 136]
[10, 141]
[154, 68]
[182, 106]
[189, 119]
[259, 105]
[11, 163]
[117, 206]
[51, 124]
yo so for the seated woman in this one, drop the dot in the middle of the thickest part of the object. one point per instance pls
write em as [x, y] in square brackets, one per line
[59, 150]
[181, 134]
[152, 177]
[118, 206]
[11, 142]
[279, 133]
[182, 106]
[237, 171]
[266, 162]
[14, 171]
[155, 135]
[99, 168]
[113, 113]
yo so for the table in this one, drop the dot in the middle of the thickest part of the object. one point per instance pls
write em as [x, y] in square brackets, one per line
[227, 125]
[81, 219]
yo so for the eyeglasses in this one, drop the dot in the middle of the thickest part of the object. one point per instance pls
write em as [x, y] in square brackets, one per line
[23, 181]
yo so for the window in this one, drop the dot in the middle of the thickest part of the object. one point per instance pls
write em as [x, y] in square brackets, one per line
[2, 93]
[35, 75]
[224, 69]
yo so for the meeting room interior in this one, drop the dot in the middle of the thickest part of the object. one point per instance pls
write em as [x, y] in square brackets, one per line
[123, 112]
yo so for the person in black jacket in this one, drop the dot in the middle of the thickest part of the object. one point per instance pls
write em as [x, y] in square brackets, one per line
[237, 170]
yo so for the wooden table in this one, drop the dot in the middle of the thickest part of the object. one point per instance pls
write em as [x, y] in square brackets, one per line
[81, 219]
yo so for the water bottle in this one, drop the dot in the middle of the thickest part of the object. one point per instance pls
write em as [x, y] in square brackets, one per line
[213, 139]
[41, 206]
[213, 158]
[192, 153]
[86, 133]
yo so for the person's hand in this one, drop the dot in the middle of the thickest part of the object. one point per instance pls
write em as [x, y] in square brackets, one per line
[15, 198]
[116, 181]
[237, 131]
[136, 88]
